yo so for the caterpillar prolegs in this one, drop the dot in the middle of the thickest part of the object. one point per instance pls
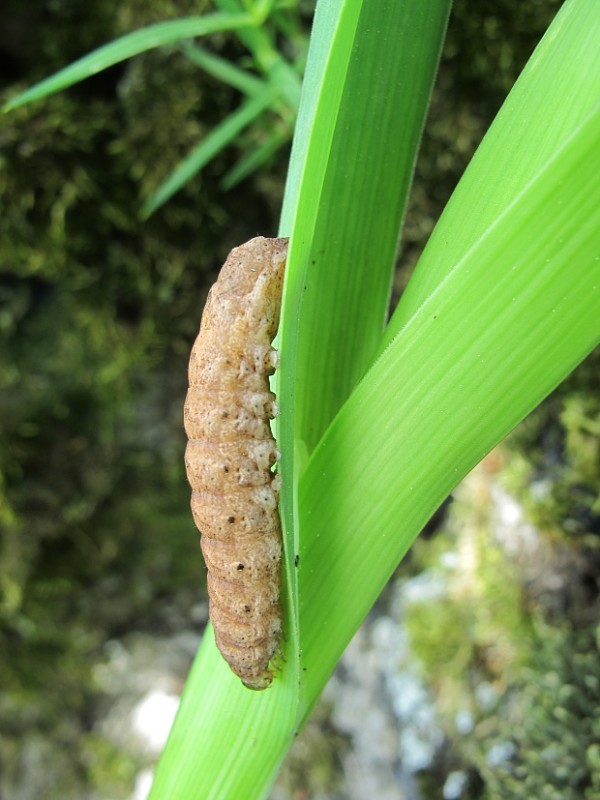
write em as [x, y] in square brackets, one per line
[230, 454]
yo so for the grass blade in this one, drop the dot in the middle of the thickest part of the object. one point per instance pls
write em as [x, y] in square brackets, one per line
[223, 70]
[257, 158]
[132, 44]
[226, 741]
[260, 42]
[216, 140]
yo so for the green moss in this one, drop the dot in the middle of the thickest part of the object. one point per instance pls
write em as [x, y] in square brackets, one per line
[559, 482]
[549, 725]
[476, 628]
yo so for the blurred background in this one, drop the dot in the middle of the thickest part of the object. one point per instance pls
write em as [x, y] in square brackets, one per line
[477, 673]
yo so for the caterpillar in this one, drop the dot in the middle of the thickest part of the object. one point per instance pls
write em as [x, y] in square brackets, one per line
[231, 452]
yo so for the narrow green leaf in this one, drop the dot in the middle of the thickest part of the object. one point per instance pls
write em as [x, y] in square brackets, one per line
[255, 159]
[260, 42]
[132, 44]
[216, 140]
[223, 70]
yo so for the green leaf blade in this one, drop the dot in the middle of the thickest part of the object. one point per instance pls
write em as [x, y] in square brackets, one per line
[342, 253]
[132, 44]
[344, 211]
[217, 139]
[225, 749]
[223, 70]
[509, 321]
[256, 158]
[178, 775]
[556, 91]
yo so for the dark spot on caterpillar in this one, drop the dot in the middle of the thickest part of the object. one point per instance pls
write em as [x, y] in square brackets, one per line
[227, 412]
[296, 560]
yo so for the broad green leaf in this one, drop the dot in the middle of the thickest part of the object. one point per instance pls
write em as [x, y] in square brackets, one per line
[227, 741]
[510, 320]
[357, 136]
[132, 44]
[557, 89]
[367, 87]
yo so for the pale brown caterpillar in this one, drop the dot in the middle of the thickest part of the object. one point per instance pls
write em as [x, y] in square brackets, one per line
[230, 454]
